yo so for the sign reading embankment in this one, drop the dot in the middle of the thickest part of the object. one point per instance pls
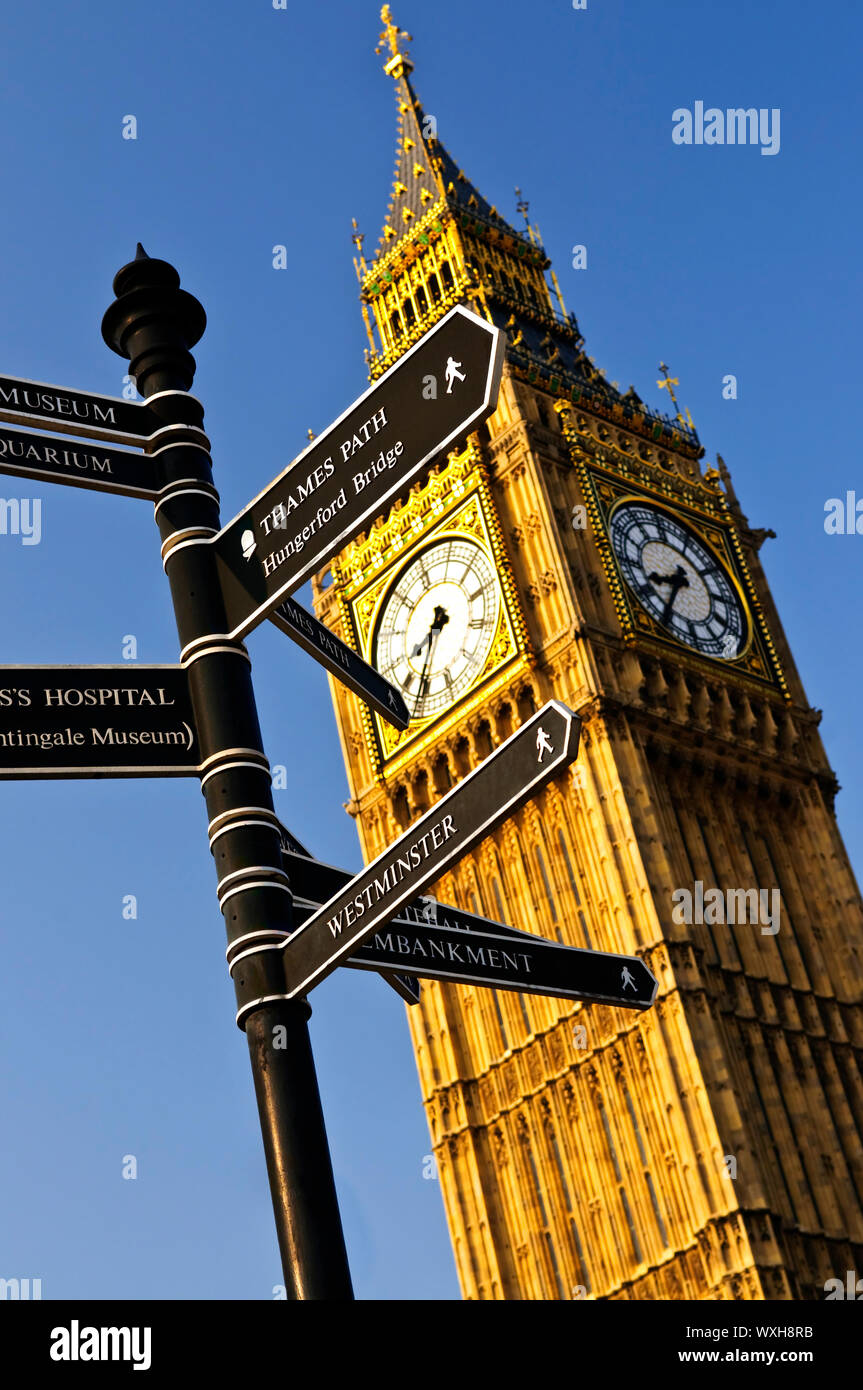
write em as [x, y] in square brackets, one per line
[96, 721]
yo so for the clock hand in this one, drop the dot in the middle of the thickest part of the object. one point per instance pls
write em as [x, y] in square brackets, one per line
[440, 619]
[679, 580]
[421, 692]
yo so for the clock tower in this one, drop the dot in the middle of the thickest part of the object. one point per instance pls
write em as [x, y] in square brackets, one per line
[576, 548]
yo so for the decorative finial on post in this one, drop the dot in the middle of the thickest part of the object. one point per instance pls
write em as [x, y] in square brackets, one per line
[148, 296]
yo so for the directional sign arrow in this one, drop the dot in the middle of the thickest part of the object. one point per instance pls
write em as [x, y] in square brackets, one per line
[76, 412]
[296, 860]
[313, 882]
[528, 964]
[345, 665]
[81, 465]
[509, 776]
[438, 391]
[96, 721]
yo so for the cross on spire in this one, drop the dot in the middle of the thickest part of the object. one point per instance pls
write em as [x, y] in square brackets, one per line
[668, 384]
[390, 38]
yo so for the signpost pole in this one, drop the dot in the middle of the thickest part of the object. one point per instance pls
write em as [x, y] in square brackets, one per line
[153, 323]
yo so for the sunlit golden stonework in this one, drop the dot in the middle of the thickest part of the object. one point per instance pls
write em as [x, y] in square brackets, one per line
[710, 1148]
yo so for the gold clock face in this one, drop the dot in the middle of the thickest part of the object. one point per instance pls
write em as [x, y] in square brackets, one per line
[437, 624]
[679, 580]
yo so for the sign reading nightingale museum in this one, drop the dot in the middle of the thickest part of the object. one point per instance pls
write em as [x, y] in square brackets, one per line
[544, 745]
[96, 721]
[438, 391]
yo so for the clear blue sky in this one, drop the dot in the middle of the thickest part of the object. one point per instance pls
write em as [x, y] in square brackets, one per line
[257, 127]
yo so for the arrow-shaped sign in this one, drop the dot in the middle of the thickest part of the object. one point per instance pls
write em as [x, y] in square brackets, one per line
[544, 745]
[297, 860]
[314, 883]
[527, 964]
[438, 391]
[345, 665]
[425, 938]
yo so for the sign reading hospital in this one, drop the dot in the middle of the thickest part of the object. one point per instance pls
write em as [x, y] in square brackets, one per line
[96, 721]
[443, 387]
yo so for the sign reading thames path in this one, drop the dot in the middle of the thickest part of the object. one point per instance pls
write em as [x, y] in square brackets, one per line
[96, 721]
[443, 387]
[510, 775]
[336, 656]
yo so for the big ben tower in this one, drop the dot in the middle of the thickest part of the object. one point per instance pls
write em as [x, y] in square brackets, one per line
[577, 548]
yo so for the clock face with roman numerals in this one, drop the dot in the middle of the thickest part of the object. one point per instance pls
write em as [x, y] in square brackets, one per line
[680, 582]
[437, 624]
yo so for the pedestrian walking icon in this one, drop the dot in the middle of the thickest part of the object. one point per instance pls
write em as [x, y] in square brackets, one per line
[543, 744]
[452, 371]
[627, 978]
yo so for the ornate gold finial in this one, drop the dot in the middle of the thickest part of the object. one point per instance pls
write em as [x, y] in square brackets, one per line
[310, 434]
[399, 63]
[358, 237]
[522, 206]
[668, 385]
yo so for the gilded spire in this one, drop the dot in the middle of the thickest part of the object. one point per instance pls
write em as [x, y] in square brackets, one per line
[399, 63]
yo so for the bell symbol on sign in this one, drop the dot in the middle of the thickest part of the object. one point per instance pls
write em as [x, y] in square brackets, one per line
[247, 541]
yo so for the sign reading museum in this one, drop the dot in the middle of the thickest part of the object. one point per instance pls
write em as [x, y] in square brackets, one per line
[96, 721]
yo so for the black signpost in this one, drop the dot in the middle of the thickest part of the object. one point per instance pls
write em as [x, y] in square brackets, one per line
[199, 718]
[368, 456]
[337, 657]
[96, 721]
